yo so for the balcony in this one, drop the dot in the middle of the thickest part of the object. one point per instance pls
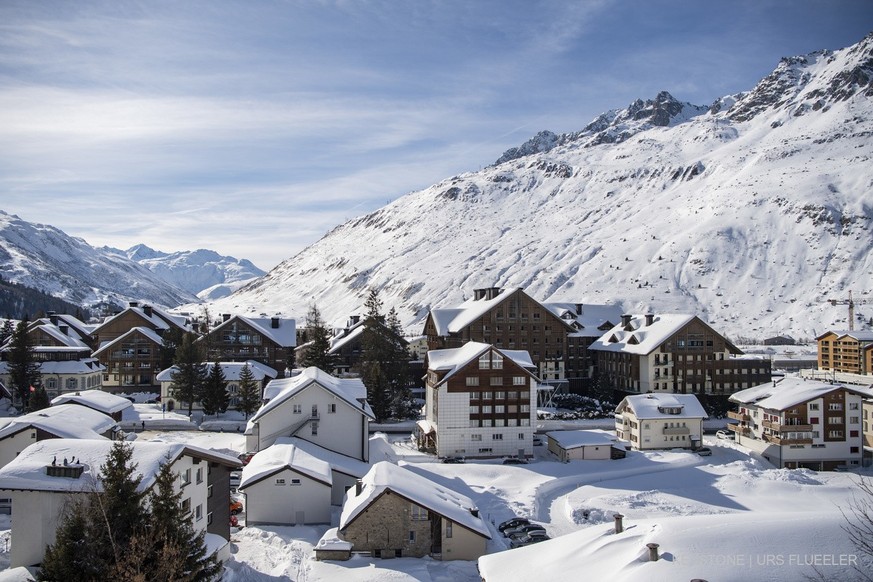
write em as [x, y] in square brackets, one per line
[742, 429]
[778, 440]
[671, 430]
[738, 416]
[775, 426]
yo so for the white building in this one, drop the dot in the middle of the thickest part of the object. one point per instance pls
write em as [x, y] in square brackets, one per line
[46, 475]
[660, 421]
[801, 423]
[286, 485]
[584, 445]
[330, 412]
[109, 404]
[480, 402]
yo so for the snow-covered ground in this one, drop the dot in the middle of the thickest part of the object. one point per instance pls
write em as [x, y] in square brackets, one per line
[730, 516]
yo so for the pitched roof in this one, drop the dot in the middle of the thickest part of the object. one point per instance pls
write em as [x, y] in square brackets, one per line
[97, 399]
[351, 390]
[454, 319]
[63, 421]
[148, 333]
[281, 455]
[231, 371]
[285, 335]
[337, 461]
[639, 338]
[647, 405]
[861, 336]
[573, 439]
[159, 318]
[789, 392]
[591, 318]
[384, 476]
[453, 359]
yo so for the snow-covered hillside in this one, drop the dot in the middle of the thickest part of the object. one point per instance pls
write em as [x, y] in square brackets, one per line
[44, 257]
[750, 213]
[203, 272]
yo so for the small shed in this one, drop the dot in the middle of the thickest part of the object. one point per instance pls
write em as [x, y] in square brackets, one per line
[577, 445]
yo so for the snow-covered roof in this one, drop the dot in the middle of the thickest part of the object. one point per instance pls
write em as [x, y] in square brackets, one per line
[337, 461]
[640, 338]
[231, 371]
[28, 470]
[159, 318]
[351, 390]
[789, 392]
[337, 343]
[454, 319]
[648, 406]
[63, 421]
[56, 334]
[97, 399]
[284, 335]
[281, 455]
[451, 360]
[148, 333]
[573, 439]
[589, 320]
[861, 336]
[385, 476]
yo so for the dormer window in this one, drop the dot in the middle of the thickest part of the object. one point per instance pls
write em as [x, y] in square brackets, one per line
[670, 409]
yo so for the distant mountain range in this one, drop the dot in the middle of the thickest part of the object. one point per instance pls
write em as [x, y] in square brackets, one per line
[46, 258]
[750, 212]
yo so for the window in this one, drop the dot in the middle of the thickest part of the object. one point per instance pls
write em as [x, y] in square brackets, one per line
[209, 518]
[186, 477]
[835, 434]
[314, 429]
[186, 505]
[472, 380]
[496, 361]
[835, 406]
[500, 395]
[448, 529]
[854, 420]
[295, 482]
[485, 450]
[331, 408]
[418, 513]
[853, 406]
[200, 475]
[521, 436]
[314, 411]
[411, 536]
[474, 410]
[280, 481]
[813, 405]
[476, 437]
[198, 513]
[835, 420]
[525, 407]
[298, 409]
[499, 422]
[518, 380]
[486, 409]
[209, 492]
[497, 380]
[499, 409]
[497, 436]
[485, 362]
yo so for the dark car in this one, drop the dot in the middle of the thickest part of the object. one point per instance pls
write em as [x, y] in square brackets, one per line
[704, 451]
[517, 532]
[514, 461]
[511, 523]
[529, 538]
[454, 460]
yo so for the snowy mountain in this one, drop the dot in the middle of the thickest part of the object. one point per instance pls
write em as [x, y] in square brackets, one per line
[202, 272]
[48, 259]
[750, 212]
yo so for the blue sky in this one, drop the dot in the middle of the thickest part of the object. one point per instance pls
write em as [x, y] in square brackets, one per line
[252, 128]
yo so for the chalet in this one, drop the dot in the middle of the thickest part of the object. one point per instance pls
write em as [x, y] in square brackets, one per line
[268, 340]
[480, 402]
[330, 412]
[109, 404]
[848, 352]
[396, 512]
[261, 373]
[796, 423]
[46, 475]
[674, 353]
[660, 421]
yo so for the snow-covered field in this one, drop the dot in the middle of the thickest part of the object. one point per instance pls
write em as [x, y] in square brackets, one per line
[730, 516]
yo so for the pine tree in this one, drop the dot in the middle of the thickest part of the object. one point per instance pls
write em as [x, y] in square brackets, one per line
[384, 365]
[70, 559]
[22, 366]
[317, 351]
[38, 400]
[6, 331]
[215, 398]
[249, 392]
[402, 405]
[190, 373]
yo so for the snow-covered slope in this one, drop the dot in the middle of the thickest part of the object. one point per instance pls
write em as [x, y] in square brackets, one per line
[48, 259]
[203, 272]
[749, 213]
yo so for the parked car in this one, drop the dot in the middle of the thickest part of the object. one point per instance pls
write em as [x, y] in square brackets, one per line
[246, 457]
[537, 440]
[725, 434]
[517, 532]
[704, 451]
[529, 538]
[514, 461]
[454, 460]
[234, 480]
[511, 523]
[236, 506]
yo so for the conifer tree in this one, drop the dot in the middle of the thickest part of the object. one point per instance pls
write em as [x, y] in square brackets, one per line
[6, 331]
[215, 398]
[317, 351]
[69, 559]
[384, 362]
[38, 400]
[190, 373]
[249, 392]
[23, 367]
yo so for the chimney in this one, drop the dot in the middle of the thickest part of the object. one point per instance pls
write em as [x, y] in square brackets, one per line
[65, 329]
[474, 512]
[359, 486]
[578, 309]
[478, 294]
[650, 319]
[147, 309]
[274, 323]
[53, 317]
[492, 292]
[225, 317]
[653, 552]
[619, 526]
[625, 321]
[354, 319]
[134, 304]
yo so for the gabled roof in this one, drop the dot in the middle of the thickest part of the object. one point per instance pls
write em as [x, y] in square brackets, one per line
[639, 338]
[231, 371]
[354, 332]
[789, 392]
[64, 367]
[56, 334]
[646, 406]
[159, 318]
[451, 360]
[454, 319]
[63, 421]
[385, 476]
[590, 320]
[350, 390]
[144, 331]
[338, 462]
[28, 470]
[282, 455]
[97, 399]
[285, 335]
[861, 336]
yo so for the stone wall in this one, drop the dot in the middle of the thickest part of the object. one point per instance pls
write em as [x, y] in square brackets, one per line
[385, 526]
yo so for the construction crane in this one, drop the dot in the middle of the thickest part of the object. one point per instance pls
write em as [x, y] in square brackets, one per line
[851, 303]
